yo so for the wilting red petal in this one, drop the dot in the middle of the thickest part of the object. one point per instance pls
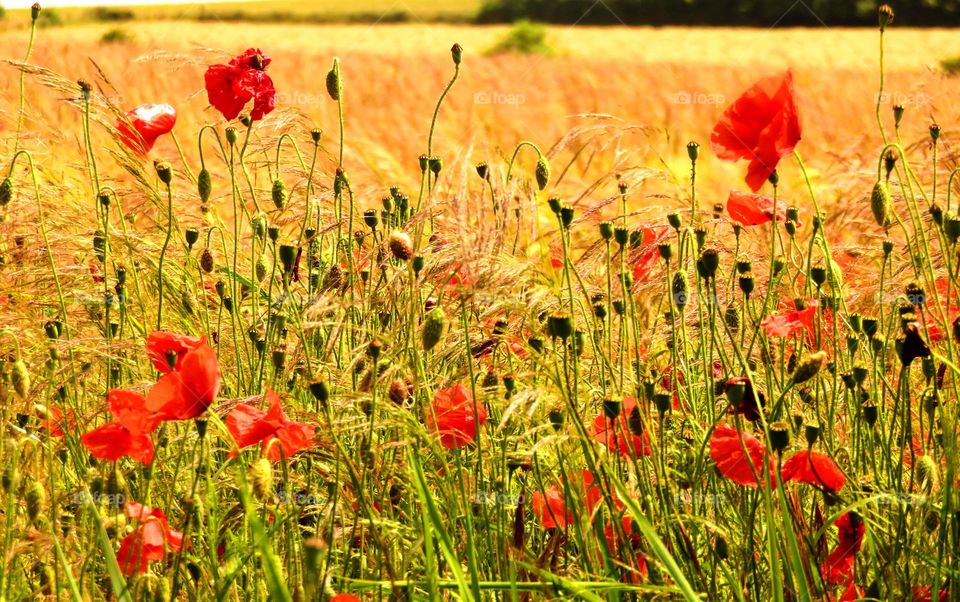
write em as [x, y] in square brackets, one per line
[619, 435]
[129, 409]
[452, 416]
[163, 346]
[113, 441]
[291, 438]
[140, 127]
[135, 555]
[754, 209]
[727, 452]
[762, 126]
[814, 468]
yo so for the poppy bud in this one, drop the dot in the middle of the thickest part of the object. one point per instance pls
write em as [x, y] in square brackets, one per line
[436, 165]
[261, 477]
[779, 436]
[721, 548]
[811, 432]
[206, 260]
[809, 367]
[260, 268]
[931, 521]
[401, 245]
[680, 288]
[542, 173]
[928, 474]
[435, 326]
[483, 170]
[35, 499]
[320, 391]
[164, 171]
[192, 235]
[693, 151]
[399, 392]
[231, 135]
[674, 220]
[20, 378]
[611, 407]
[457, 53]
[204, 185]
[279, 193]
[881, 204]
[885, 14]
[288, 255]
[34, 11]
[559, 325]
[774, 178]
[6, 192]
[732, 317]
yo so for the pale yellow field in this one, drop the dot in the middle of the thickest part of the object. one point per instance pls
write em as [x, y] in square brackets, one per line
[673, 83]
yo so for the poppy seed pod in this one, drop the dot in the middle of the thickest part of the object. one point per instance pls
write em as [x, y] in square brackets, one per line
[819, 275]
[711, 261]
[951, 228]
[333, 81]
[693, 151]
[6, 192]
[674, 220]
[612, 406]
[288, 255]
[34, 11]
[809, 366]
[621, 235]
[811, 432]
[457, 53]
[542, 173]
[606, 230]
[483, 170]
[779, 436]
[663, 402]
[261, 478]
[435, 326]
[885, 14]
[436, 165]
[700, 233]
[164, 171]
[746, 284]
[315, 134]
[192, 235]
[231, 135]
[881, 204]
[401, 245]
[371, 219]
[559, 326]
[934, 132]
[566, 216]
[320, 391]
[279, 194]
[665, 250]
[206, 260]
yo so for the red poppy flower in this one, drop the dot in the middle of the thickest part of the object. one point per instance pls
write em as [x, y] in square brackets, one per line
[727, 451]
[166, 349]
[250, 425]
[838, 568]
[550, 505]
[129, 434]
[762, 126]
[789, 322]
[148, 542]
[230, 87]
[924, 593]
[345, 598]
[140, 127]
[649, 253]
[814, 468]
[57, 419]
[754, 209]
[625, 434]
[751, 405]
[190, 387]
[452, 416]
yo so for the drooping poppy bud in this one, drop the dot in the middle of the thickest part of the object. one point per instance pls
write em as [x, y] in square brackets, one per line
[543, 173]
[435, 326]
[457, 53]
[279, 193]
[881, 204]
[809, 367]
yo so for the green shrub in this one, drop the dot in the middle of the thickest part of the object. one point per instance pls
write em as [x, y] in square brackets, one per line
[525, 37]
[951, 66]
[117, 35]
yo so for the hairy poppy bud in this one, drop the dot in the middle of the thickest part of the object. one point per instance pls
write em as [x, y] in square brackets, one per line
[693, 151]
[732, 317]
[809, 367]
[206, 260]
[279, 193]
[260, 268]
[399, 392]
[334, 85]
[881, 204]
[164, 171]
[542, 173]
[204, 185]
[779, 435]
[6, 192]
[680, 288]
[261, 478]
[34, 11]
[885, 14]
[35, 499]
[457, 53]
[401, 245]
[928, 474]
[435, 326]
[20, 378]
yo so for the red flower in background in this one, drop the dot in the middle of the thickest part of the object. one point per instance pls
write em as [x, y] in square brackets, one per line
[230, 87]
[631, 539]
[924, 593]
[838, 568]
[742, 467]
[139, 128]
[789, 322]
[191, 384]
[646, 259]
[451, 415]
[250, 425]
[751, 405]
[56, 419]
[345, 598]
[762, 126]
[625, 434]
[750, 209]
[550, 505]
[814, 468]
[129, 434]
[148, 542]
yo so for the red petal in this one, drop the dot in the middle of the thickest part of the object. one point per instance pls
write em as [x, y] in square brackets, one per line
[141, 126]
[162, 344]
[218, 81]
[248, 425]
[452, 416]
[113, 441]
[129, 409]
[814, 468]
[727, 452]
